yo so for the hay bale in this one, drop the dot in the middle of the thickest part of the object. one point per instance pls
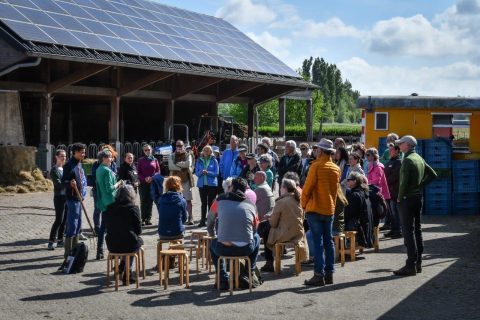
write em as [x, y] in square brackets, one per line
[2, 190]
[43, 186]
[26, 176]
[22, 189]
[37, 175]
[11, 189]
[14, 159]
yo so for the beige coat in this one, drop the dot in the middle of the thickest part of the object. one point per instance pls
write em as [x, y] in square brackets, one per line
[286, 224]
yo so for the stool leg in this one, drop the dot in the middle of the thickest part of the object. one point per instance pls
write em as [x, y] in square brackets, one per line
[167, 270]
[137, 269]
[337, 254]
[116, 272]
[143, 264]
[230, 280]
[160, 267]
[159, 249]
[278, 249]
[342, 251]
[107, 280]
[187, 271]
[217, 277]
[127, 270]
[197, 255]
[298, 267]
[237, 272]
[249, 263]
[353, 243]
[180, 267]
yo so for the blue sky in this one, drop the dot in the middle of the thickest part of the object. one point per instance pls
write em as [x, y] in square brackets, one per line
[382, 46]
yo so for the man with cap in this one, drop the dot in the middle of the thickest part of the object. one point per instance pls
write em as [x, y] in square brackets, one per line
[228, 157]
[239, 163]
[248, 173]
[180, 165]
[318, 199]
[290, 161]
[414, 175]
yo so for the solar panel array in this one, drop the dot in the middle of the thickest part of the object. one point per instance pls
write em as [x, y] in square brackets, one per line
[139, 27]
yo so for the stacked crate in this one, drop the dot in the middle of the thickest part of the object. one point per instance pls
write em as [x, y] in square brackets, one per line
[382, 145]
[466, 186]
[438, 194]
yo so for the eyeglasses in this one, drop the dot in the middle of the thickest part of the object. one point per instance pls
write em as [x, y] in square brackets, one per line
[303, 149]
[179, 146]
[350, 179]
[369, 155]
[147, 150]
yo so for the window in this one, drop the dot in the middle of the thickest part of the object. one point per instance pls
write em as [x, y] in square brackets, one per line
[453, 126]
[381, 120]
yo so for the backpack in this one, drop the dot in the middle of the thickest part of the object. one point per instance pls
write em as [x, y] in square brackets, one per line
[243, 277]
[76, 259]
[379, 205]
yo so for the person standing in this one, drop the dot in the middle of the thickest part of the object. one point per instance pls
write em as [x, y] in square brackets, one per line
[391, 138]
[376, 177]
[180, 163]
[58, 227]
[128, 172]
[107, 184]
[318, 200]
[207, 173]
[147, 167]
[275, 159]
[240, 162]
[228, 157]
[265, 163]
[248, 173]
[74, 177]
[392, 173]
[290, 161]
[414, 175]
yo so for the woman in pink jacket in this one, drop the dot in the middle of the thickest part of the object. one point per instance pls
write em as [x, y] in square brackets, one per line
[376, 174]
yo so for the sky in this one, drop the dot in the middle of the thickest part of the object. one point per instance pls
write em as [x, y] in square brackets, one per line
[383, 47]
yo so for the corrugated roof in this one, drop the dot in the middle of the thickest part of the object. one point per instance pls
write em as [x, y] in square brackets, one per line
[418, 102]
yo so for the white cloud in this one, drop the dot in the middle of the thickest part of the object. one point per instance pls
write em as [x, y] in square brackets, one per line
[333, 27]
[460, 78]
[279, 47]
[246, 13]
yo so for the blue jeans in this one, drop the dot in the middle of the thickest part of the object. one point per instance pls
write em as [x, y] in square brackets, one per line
[394, 215]
[311, 246]
[323, 246]
[96, 213]
[101, 234]
[218, 249]
[74, 218]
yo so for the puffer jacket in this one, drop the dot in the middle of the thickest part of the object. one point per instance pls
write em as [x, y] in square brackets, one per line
[320, 190]
[376, 176]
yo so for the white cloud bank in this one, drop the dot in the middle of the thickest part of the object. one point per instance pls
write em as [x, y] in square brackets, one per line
[246, 13]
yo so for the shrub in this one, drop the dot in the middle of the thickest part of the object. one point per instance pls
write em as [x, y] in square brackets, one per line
[328, 130]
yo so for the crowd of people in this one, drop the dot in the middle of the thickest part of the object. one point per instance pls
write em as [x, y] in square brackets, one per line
[323, 190]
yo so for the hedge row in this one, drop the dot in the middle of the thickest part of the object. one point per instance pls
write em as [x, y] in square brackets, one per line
[328, 130]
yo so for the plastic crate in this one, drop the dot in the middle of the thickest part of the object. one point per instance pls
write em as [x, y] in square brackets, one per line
[420, 147]
[447, 158]
[439, 186]
[438, 144]
[466, 203]
[465, 164]
[382, 145]
[437, 209]
[464, 184]
[439, 164]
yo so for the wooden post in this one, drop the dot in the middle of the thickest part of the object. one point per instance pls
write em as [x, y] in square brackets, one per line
[169, 119]
[309, 119]
[251, 122]
[44, 148]
[281, 117]
[214, 113]
[114, 132]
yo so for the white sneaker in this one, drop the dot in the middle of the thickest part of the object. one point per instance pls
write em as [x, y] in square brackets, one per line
[52, 245]
[82, 237]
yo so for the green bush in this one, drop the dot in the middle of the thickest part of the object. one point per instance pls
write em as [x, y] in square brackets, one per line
[335, 129]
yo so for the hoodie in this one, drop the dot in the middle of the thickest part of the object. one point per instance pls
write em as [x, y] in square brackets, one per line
[172, 214]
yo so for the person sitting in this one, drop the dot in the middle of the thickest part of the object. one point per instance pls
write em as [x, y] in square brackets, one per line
[358, 215]
[265, 198]
[236, 229]
[285, 223]
[172, 210]
[124, 225]
[212, 225]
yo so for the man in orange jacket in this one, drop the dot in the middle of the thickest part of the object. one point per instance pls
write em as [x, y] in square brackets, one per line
[318, 200]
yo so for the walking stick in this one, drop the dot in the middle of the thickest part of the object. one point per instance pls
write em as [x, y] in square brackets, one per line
[84, 209]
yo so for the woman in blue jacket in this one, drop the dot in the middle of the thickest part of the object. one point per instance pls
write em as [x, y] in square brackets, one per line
[207, 172]
[172, 210]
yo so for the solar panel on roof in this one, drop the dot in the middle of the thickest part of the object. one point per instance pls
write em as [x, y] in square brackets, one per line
[139, 27]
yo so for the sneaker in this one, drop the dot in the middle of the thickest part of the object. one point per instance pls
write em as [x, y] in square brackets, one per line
[418, 267]
[82, 237]
[393, 235]
[328, 278]
[268, 267]
[316, 280]
[60, 242]
[148, 223]
[99, 256]
[385, 227]
[406, 271]
[52, 245]
[190, 222]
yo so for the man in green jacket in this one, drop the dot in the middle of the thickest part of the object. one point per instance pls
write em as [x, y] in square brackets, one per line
[107, 185]
[414, 175]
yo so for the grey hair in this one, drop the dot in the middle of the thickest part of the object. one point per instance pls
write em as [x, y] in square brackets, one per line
[267, 141]
[226, 184]
[391, 137]
[360, 180]
[125, 194]
[234, 137]
[104, 154]
[261, 173]
[291, 143]
[267, 158]
[292, 176]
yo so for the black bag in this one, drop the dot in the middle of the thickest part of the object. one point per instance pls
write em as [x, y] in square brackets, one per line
[243, 277]
[76, 259]
[379, 205]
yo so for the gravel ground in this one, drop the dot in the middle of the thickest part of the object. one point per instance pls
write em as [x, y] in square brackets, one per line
[448, 288]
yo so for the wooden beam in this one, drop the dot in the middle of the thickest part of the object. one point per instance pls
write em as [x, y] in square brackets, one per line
[23, 86]
[143, 82]
[274, 93]
[75, 77]
[183, 88]
[281, 117]
[238, 90]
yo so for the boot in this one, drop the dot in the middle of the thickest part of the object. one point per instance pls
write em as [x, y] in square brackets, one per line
[406, 271]
[316, 280]
[68, 246]
[268, 267]
[329, 278]
[99, 255]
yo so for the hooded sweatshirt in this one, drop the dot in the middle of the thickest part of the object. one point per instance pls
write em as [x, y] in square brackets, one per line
[172, 209]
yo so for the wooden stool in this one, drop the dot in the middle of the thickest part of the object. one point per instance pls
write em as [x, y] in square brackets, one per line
[115, 257]
[183, 264]
[160, 248]
[278, 256]
[199, 235]
[376, 243]
[185, 246]
[340, 247]
[234, 266]
[206, 243]
[351, 235]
